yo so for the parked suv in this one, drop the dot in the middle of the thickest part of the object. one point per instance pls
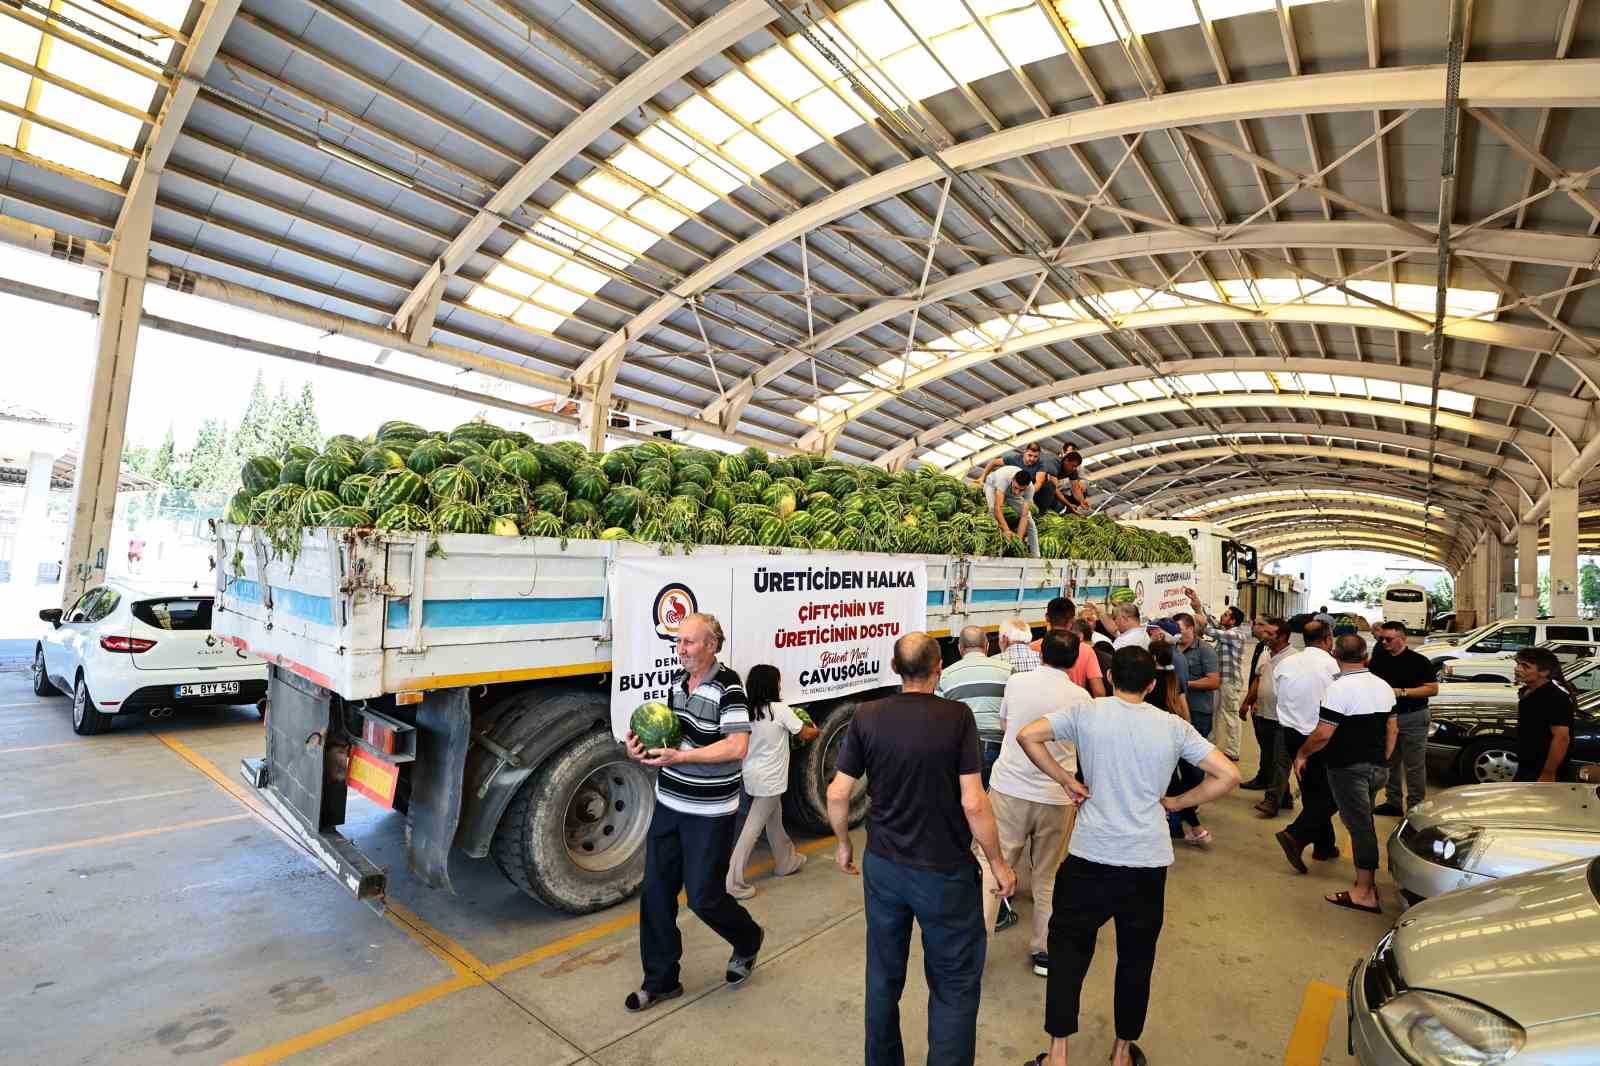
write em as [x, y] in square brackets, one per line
[1508, 635]
[123, 648]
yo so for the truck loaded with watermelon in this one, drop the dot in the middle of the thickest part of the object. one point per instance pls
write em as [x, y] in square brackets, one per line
[435, 610]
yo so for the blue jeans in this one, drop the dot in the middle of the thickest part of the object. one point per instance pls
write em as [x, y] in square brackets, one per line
[948, 906]
[990, 750]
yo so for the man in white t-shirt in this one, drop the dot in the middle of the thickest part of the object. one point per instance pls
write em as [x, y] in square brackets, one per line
[1130, 633]
[1116, 865]
[1034, 815]
[1011, 487]
[1301, 680]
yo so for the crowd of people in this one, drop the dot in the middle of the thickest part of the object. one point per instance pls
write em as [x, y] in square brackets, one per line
[1071, 753]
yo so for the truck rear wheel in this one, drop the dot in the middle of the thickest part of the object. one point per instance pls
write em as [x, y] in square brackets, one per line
[805, 805]
[573, 837]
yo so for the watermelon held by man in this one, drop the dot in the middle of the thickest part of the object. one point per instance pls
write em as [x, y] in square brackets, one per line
[656, 726]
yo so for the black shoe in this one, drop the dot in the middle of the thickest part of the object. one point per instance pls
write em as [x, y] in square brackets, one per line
[1041, 963]
[1254, 786]
[739, 966]
[1007, 917]
[1389, 810]
[644, 1000]
[1286, 804]
[1324, 856]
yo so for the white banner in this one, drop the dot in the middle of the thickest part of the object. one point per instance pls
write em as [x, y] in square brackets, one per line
[827, 622]
[1158, 590]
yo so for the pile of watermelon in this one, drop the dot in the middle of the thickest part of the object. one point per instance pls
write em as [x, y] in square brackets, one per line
[479, 478]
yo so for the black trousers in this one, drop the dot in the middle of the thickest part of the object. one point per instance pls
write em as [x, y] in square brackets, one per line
[1267, 740]
[1089, 894]
[688, 853]
[1314, 824]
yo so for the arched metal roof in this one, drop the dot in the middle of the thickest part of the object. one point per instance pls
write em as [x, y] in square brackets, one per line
[1199, 240]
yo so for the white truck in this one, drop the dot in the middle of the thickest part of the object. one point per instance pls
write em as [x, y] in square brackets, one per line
[463, 681]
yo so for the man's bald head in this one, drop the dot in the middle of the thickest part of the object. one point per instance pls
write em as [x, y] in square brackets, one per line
[916, 658]
[973, 638]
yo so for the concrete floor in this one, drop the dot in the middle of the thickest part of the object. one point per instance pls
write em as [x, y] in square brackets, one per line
[150, 916]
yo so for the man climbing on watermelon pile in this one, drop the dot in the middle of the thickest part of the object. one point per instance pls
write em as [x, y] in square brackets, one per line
[1011, 487]
[692, 830]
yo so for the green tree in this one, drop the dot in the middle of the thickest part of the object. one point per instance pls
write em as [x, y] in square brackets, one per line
[210, 464]
[1359, 588]
[1544, 593]
[1443, 596]
[301, 417]
[255, 432]
[163, 460]
[1589, 588]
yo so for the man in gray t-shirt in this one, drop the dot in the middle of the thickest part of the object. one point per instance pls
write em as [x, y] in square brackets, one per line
[1116, 866]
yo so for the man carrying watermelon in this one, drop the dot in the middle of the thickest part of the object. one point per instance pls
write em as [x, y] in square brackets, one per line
[699, 749]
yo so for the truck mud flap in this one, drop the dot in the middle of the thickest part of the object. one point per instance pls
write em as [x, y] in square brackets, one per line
[303, 779]
[444, 730]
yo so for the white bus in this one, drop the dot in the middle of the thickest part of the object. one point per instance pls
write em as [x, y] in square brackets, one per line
[1407, 602]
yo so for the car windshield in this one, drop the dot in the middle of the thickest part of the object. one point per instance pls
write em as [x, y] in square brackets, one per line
[177, 614]
[1469, 636]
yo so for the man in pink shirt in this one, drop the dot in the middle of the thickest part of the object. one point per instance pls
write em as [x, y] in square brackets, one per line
[1085, 672]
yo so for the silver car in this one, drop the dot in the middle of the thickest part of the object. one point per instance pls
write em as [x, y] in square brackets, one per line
[1478, 833]
[1504, 973]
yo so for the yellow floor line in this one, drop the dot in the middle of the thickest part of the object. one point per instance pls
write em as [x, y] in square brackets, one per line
[445, 947]
[114, 837]
[393, 1008]
[1310, 1034]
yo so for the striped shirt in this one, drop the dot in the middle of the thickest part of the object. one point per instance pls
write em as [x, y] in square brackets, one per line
[1230, 647]
[979, 681]
[712, 711]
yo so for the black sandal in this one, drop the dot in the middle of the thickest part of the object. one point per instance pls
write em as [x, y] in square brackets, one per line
[645, 999]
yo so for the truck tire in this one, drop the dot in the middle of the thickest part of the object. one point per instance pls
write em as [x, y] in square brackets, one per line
[573, 837]
[805, 805]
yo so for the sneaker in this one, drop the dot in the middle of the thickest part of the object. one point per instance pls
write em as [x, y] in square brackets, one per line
[1041, 963]
[1389, 810]
[739, 966]
[1007, 918]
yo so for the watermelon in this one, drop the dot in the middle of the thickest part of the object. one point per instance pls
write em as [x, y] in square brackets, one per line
[299, 451]
[405, 432]
[655, 477]
[355, 489]
[614, 533]
[406, 518]
[428, 455]
[720, 499]
[760, 480]
[770, 534]
[498, 449]
[621, 505]
[276, 502]
[550, 496]
[734, 467]
[505, 499]
[345, 442]
[480, 432]
[650, 450]
[238, 510]
[523, 464]
[259, 474]
[805, 720]
[588, 482]
[452, 483]
[781, 499]
[755, 458]
[459, 517]
[327, 472]
[503, 526]
[542, 524]
[655, 726]
[316, 504]
[347, 517]
[378, 459]
[697, 475]
[801, 525]
[779, 468]
[458, 450]
[558, 463]
[293, 472]
[482, 467]
[395, 488]
[582, 513]
[824, 541]
[618, 466]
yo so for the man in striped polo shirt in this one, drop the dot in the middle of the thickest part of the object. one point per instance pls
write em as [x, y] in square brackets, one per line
[692, 830]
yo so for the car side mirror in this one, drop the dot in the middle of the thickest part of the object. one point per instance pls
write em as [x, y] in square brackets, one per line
[51, 615]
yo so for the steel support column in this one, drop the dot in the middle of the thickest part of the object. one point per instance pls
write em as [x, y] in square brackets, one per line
[1564, 535]
[1491, 577]
[1528, 565]
[1506, 591]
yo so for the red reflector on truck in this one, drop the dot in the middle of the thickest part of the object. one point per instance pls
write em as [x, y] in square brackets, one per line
[372, 777]
[378, 735]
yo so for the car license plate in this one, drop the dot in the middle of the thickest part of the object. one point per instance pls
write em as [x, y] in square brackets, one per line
[210, 688]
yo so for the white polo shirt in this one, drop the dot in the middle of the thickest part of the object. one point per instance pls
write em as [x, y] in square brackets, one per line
[1029, 697]
[1133, 638]
[1299, 682]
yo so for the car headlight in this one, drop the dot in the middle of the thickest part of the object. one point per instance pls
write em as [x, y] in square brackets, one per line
[1448, 845]
[1449, 670]
[1433, 727]
[1438, 1030]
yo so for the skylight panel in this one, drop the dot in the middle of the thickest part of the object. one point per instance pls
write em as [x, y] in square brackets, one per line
[609, 190]
[1086, 20]
[538, 318]
[537, 259]
[1383, 390]
[715, 173]
[1317, 382]
[1469, 302]
[1225, 381]
[1030, 417]
[74, 154]
[875, 28]
[637, 163]
[582, 212]
[582, 278]
[496, 303]
[1456, 401]
[670, 144]
[1146, 389]
[1009, 425]
[1350, 386]
[1418, 394]
[1278, 290]
[104, 77]
[1052, 410]
[933, 17]
[1237, 291]
[1095, 399]
[971, 441]
[951, 450]
[751, 153]
[706, 119]
[511, 280]
[559, 298]
[783, 73]
[1026, 35]
[1377, 290]
[626, 234]
[916, 74]
[738, 94]
[788, 132]
[828, 112]
[1120, 393]
[688, 193]
[658, 215]
[1196, 383]
[967, 52]
[19, 41]
[1254, 381]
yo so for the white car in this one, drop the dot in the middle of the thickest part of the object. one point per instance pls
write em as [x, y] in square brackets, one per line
[1496, 666]
[125, 648]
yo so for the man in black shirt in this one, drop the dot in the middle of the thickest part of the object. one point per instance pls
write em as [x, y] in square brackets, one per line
[1074, 489]
[919, 753]
[1030, 459]
[1544, 717]
[1412, 677]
